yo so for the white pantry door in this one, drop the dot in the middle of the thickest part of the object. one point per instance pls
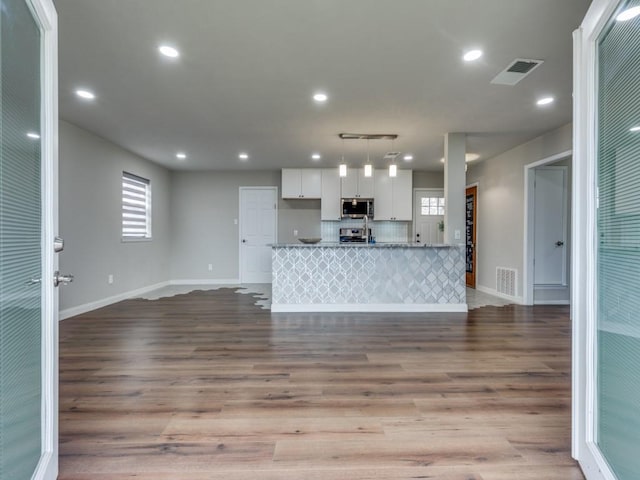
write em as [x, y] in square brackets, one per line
[28, 220]
[258, 231]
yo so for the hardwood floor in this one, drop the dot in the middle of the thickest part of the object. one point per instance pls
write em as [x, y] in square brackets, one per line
[209, 386]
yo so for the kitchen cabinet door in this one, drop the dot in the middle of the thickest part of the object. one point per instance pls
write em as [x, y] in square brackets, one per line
[330, 199]
[356, 185]
[311, 182]
[301, 183]
[403, 196]
[393, 199]
[383, 196]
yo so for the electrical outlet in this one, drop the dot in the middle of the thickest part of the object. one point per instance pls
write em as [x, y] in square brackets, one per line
[456, 234]
[110, 279]
[235, 221]
[211, 267]
[295, 233]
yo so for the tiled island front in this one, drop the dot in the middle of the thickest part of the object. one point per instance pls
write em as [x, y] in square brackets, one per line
[368, 278]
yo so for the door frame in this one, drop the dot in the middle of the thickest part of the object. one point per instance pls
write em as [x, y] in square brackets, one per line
[475, 227]
[584, 241]
[45, 15]
[529, 177]
[240, 190]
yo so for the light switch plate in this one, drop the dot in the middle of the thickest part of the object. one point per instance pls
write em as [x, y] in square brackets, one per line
[456, 234]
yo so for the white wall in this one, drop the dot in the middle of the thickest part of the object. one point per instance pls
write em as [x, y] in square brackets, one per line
[428, 179]
[90, 220]
[204, 207]
[501, 203]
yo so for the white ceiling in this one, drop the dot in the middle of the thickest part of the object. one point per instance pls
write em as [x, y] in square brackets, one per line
[248, 70]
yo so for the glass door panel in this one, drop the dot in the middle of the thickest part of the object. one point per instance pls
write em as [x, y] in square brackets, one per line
[20, 242]
[618, 253]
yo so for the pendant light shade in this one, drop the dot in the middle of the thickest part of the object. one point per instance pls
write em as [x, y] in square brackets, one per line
[368, 170]
[393, 170]
[342, 169]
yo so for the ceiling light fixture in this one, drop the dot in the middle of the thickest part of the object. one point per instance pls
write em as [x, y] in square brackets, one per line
[181, 155]
[243, 156]
[408, 158]
[545, 101]
[628, 14]
[342, 169]
[472, 55]
[393, 170]
[320, 97]
[635, 129]
[33, 135]
[85, 94]
[316, 156]
[169, 51]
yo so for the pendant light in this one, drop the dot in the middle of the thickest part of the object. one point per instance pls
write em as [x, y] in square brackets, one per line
[342, 169]
[368, 169]
[393, 168]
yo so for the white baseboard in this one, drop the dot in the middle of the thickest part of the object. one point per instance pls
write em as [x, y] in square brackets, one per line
[551, 302]
[87, 307]
[371, 307]
[495, 293]
[206, 281]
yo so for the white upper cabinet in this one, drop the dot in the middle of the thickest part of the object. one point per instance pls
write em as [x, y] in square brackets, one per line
[301, 183]
[330, 201]
[393, 196]
[356, 185]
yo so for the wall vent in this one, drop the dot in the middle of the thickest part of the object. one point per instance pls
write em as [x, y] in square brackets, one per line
[507, 281]
[516, 71]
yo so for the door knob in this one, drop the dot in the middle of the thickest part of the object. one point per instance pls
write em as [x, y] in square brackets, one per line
[559, 243]
[63, 279]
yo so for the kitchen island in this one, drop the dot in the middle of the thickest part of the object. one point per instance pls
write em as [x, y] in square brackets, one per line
[339, 277]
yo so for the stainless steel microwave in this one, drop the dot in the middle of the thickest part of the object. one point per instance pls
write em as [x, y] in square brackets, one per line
[357, 207]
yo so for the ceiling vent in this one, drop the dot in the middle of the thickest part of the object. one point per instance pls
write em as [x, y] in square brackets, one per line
[391, 155]
[516, 71]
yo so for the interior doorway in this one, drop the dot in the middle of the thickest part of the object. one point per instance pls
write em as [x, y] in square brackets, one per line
[547, 249]
[258, 231]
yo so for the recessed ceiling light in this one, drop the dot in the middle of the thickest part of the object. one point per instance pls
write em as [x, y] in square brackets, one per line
[628, 14]
[85, 94]
[635, 129]
[472, 55]
[545, 101]
[33, 135]
[320, 97]
[243, 156]
[181, 155]
[316, 156]
[169, 51]
[408, 158]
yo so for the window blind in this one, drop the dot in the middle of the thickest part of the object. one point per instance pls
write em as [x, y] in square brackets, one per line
[136, 207]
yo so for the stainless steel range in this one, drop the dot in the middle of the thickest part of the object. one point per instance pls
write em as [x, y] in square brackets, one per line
[354, 235]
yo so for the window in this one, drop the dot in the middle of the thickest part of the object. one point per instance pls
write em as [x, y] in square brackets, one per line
[136, 207]
[432, 206]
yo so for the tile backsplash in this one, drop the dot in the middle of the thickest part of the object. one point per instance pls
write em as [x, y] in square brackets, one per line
[384, 232]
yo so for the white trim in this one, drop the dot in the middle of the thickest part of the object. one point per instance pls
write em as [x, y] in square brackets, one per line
[45, 16]
[87, 307]
[527, 268]
[552, 302]
[205, 281]
[584, 247]
[276, 200]
[495, 293]
[370, 307]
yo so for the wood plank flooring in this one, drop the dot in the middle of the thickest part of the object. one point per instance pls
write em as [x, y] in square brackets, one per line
[209, 386]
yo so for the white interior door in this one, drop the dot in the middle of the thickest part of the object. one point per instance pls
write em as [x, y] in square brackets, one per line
[428, 206]
[28, 220]
[258, 231]
[550, 226]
